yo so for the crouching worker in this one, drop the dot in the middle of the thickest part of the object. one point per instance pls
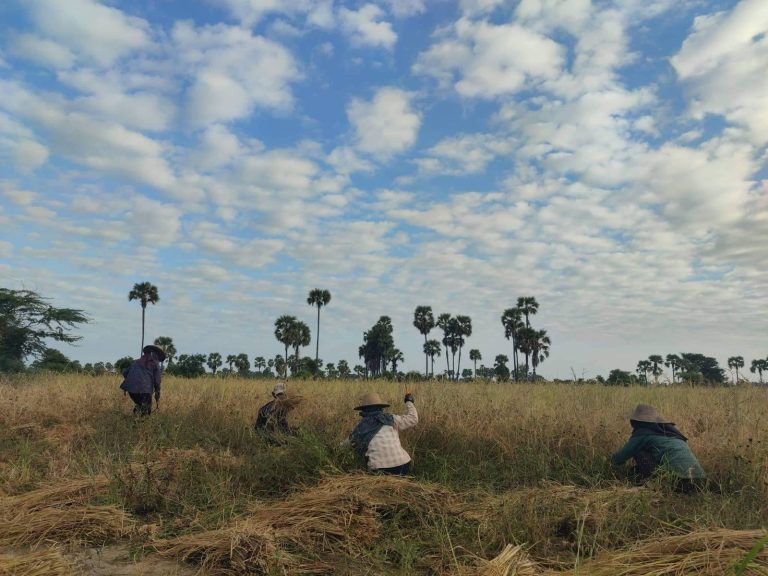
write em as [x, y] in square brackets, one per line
[376, 436]
[273, 416]
[142, 379]
[657, 445]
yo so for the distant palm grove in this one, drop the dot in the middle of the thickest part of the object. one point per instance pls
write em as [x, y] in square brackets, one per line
[28, 321]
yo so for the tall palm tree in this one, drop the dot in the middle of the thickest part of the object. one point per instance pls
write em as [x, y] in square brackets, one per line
[300, 336]
[395, 356]
[454, 340]
[512, 320]
[674, 362]
[284, 327]
[319, 298]
[443, 322]
[424, 321]
[528, 306]
[464, 329]
[146, 293]
[214, 361]
[527, 338]
[759, 365]
[475, 355]
[432, 348]
[231, 359]
[736, 362]
[539, 349]
[643, 367]
[259, 363]
[656, 361]
[166, 343]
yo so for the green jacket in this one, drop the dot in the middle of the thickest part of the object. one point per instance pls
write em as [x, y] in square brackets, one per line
[673, 454]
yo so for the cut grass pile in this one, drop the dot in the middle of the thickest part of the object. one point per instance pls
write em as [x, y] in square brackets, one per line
[42, 562]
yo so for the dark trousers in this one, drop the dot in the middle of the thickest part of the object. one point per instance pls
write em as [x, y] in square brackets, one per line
[143, 403]
[403, 470]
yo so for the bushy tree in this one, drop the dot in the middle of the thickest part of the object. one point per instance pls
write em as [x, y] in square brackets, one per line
[27, 320]
[189, 366]
[123, 363]
[377, 343]
[500, 369]
[706, 366]
[52, 360]
[343, 369]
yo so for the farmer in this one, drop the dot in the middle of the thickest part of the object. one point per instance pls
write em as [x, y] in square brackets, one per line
[656, 444]
[142, 378]
[273, 416]
[376, 436]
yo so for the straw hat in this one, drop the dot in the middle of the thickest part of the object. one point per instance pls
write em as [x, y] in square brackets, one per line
[372, 399]
[646, 413]
[278, 389]
[159, 352]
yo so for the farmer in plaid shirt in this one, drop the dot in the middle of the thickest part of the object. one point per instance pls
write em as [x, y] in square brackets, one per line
[376, 435]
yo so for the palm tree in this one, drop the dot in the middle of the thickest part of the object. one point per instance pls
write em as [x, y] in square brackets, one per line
[284, 333]
[528, 306]
[424, 321]
[464, 328]
[643, 367]
[527, 338]
[259, 363]
[145, 293]
[231, 359]
[432, 348]
[475, 355]
[318, 297]
[760, 365]
[300, 336]
[674, 362]
[343, 368]
[395, 356]
[655, 361]
[242, 364]
[166, 343]
[214, 361]
[454, 340]
[539, 349]
[443, 322]
[512, 320]
[736, 362]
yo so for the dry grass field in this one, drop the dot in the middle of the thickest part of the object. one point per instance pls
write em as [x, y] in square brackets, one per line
[509, 479]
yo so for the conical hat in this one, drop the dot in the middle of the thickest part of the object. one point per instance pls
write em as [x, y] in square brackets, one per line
[646, 413]
[372, 399]
[159, 352]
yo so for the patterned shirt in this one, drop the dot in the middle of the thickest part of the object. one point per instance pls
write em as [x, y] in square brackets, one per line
[384, 450]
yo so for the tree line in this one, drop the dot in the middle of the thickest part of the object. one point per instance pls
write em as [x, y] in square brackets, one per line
[28, 320]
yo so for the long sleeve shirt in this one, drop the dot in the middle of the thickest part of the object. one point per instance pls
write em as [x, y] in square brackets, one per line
[142, 379]
[384, 450]
[667, 452]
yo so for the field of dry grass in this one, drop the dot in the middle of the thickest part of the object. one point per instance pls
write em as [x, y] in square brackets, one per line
[509, 479]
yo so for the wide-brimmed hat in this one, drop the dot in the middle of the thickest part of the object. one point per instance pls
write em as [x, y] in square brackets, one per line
[159, 352]
[646, 413]
[278, 389]
[371, 400]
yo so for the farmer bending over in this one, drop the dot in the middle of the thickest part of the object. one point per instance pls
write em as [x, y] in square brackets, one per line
[273, 416]
[376, 436]
[142, 378]
[656, 444]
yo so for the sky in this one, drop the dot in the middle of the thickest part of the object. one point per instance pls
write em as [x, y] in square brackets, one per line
[609, 158]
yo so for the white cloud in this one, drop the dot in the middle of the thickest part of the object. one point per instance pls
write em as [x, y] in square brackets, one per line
[41, 51]
[406, 8]
[95, 32]
[17, 196]
[367, 27]
[6, 249]
[30, 155]
[253, 253]
[153, 223]
[233, 72]
[483, 60]
[724, 65]
[218, 147]
[386, 125]
[464, 154]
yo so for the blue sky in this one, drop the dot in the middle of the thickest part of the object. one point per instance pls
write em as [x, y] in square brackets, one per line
[607, 157]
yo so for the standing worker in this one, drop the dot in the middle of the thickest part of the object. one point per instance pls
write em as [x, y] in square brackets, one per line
[656, 444]
[376, 436]
[142, 378]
